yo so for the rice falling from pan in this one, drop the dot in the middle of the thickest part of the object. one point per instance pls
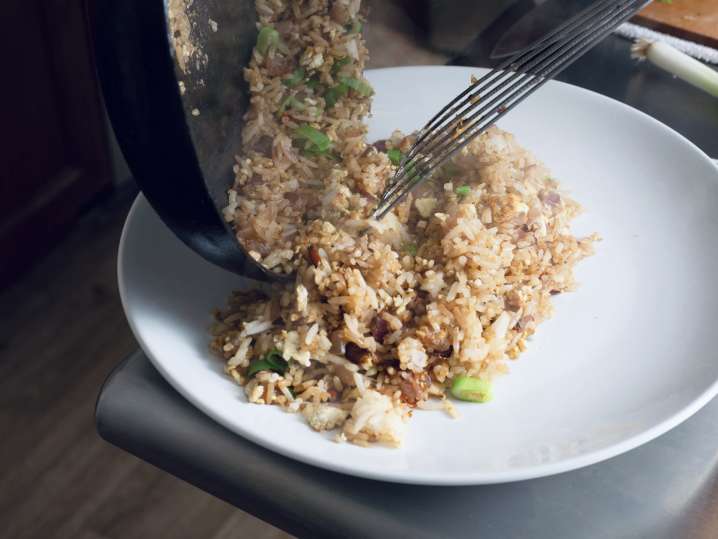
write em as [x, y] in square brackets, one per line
[383, 317]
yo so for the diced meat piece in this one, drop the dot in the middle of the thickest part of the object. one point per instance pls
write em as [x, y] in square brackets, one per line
[278, 66]
[413, 387]
[391, 363]
[354, 353]
[294, 197]
[512, 301]
[550, 198]
[263, 145]
[418, 304]
[380, 145]
[409, 392]
[379, 329]
[313, 255]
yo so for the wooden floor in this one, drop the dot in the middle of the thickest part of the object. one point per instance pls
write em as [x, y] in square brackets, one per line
[62, 331]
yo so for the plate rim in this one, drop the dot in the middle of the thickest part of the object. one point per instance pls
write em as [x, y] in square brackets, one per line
[424, 478]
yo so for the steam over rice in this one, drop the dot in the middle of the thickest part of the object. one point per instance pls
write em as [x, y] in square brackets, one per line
[381, 316]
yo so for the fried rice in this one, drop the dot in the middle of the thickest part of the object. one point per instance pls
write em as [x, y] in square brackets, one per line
[382, 316]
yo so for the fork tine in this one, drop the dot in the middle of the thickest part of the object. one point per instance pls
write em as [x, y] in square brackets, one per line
[521, 63]
[511, 96]
[500, 70]
[552, 61]
[518, 64]
[513, 99]
[501, 67]
[536, 63]
[595, 33]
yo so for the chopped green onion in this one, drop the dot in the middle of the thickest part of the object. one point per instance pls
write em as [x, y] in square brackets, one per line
[338, 64]
[267, 38]
[395, 156]
[677, 63]
[297, 105]
[275, 356]
[411, 248]
[666, 1]
[315, 142]
[362, 87]
[467, 388]
[354, 27]
[313, 83]
[333, 94]
[463, 191]
[411, 171]
[295, 78]
[272, 361]
[292, 102]
[258, 365]
[316, 137]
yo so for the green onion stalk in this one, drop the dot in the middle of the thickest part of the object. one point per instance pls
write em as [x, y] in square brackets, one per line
[677, 63]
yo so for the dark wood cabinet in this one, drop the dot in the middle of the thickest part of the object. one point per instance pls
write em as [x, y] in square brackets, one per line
[54, 156]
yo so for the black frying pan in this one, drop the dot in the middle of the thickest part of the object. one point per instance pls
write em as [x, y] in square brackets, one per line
[181, 161]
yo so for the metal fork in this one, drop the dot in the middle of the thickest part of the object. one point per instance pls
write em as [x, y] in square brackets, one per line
[487, 99]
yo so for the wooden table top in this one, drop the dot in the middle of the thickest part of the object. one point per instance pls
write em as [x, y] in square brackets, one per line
[694, 20]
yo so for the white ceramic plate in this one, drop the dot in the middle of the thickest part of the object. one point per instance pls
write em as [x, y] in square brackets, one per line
[628, 356]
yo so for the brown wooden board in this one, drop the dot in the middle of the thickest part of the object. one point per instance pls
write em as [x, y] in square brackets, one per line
[694, 20]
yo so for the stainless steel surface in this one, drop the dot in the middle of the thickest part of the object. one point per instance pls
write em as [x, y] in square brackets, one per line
[667, 489]
[487, 99]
